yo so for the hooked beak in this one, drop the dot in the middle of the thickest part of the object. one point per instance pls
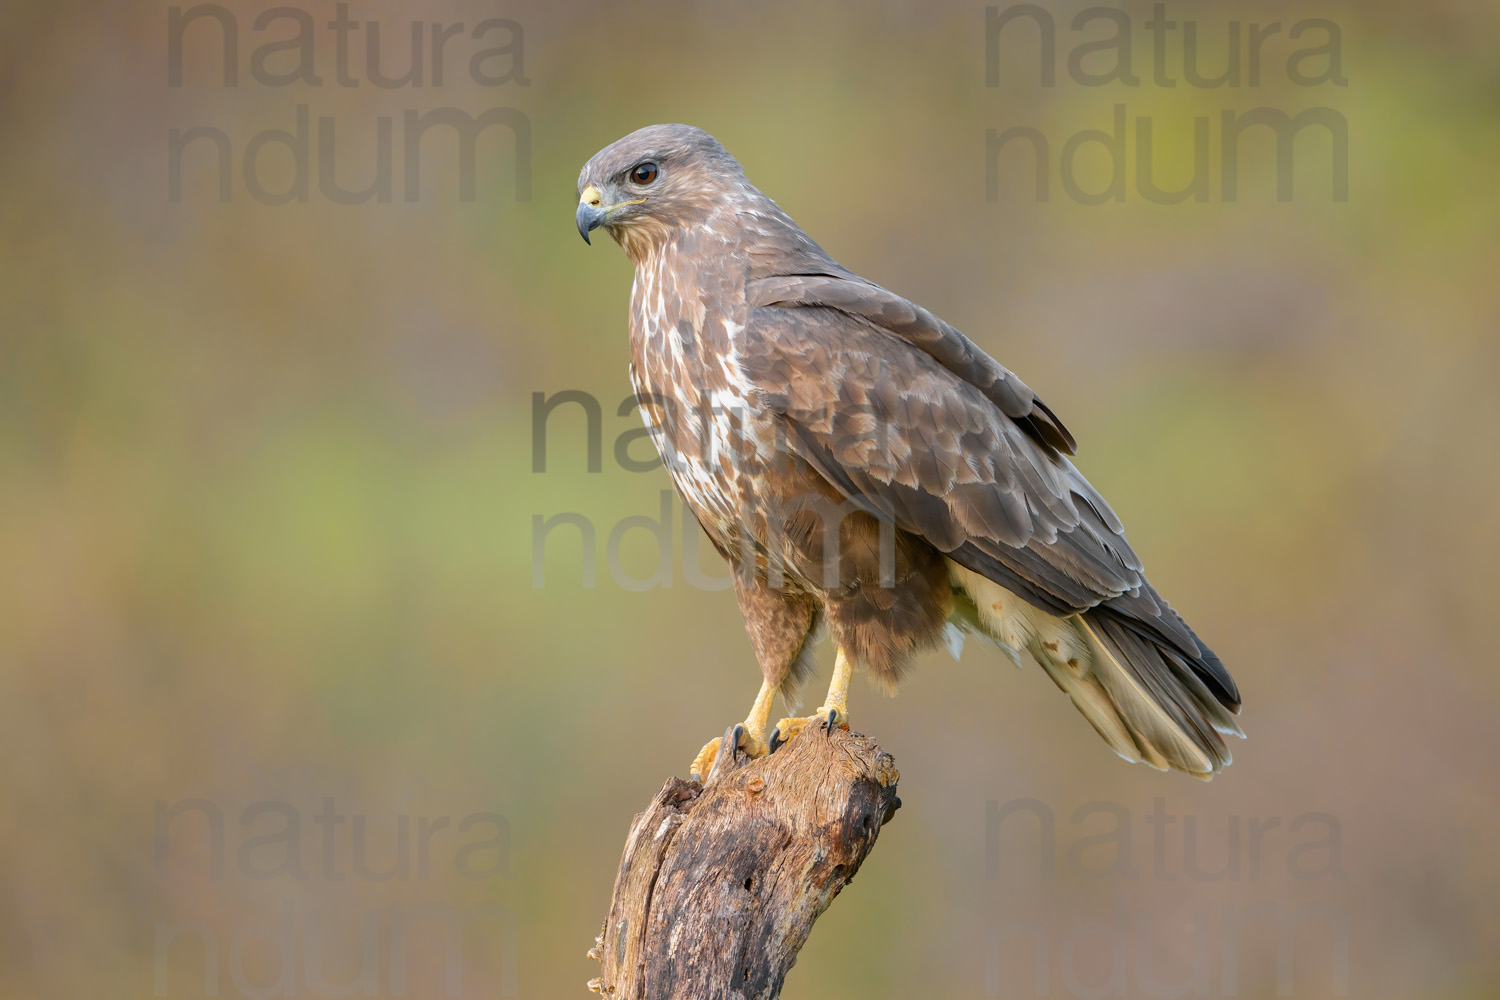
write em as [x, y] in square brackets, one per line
[590, 212]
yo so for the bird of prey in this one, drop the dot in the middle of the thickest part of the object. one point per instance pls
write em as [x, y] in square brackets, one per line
[867, 470]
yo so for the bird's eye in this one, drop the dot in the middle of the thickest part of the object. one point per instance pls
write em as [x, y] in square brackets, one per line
[643, 173]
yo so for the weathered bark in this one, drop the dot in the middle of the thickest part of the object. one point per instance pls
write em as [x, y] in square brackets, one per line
[719, 885]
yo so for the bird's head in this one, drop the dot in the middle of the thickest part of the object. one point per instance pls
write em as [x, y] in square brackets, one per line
[653, 182]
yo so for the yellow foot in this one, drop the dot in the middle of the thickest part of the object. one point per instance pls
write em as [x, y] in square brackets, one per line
[749, 743]
[788, 729]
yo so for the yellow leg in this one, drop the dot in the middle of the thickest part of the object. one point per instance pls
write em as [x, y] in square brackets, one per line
[835, 707]
[752, 740]
[760, 712]
[838, 686]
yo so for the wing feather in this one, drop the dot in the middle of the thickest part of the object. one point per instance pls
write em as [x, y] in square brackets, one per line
[923, 331]
[912, 420]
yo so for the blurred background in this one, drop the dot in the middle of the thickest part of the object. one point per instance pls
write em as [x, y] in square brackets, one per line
[283, 710]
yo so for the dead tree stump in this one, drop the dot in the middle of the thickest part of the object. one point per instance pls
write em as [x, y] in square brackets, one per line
[720, 884]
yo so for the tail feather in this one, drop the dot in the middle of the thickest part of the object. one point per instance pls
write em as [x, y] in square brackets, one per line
[1152, 700]
[1161, 695]
[1097, 705]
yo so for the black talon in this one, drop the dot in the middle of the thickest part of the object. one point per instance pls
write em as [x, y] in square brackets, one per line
[833, 713]
[776, 740]
[739, 730]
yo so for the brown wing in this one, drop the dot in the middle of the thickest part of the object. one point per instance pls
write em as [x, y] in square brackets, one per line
[888, 311]
[912, 420]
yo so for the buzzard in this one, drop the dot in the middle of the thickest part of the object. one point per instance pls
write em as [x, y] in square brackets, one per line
[867, 470]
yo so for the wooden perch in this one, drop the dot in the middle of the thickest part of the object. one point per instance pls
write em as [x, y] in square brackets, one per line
[720, 884]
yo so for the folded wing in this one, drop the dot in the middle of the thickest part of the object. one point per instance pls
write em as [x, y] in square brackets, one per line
[913, 421]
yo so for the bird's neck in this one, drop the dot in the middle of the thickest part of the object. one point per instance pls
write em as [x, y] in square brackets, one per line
[687, 296]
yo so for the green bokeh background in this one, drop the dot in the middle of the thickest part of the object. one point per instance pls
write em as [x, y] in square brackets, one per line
[267, 494]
